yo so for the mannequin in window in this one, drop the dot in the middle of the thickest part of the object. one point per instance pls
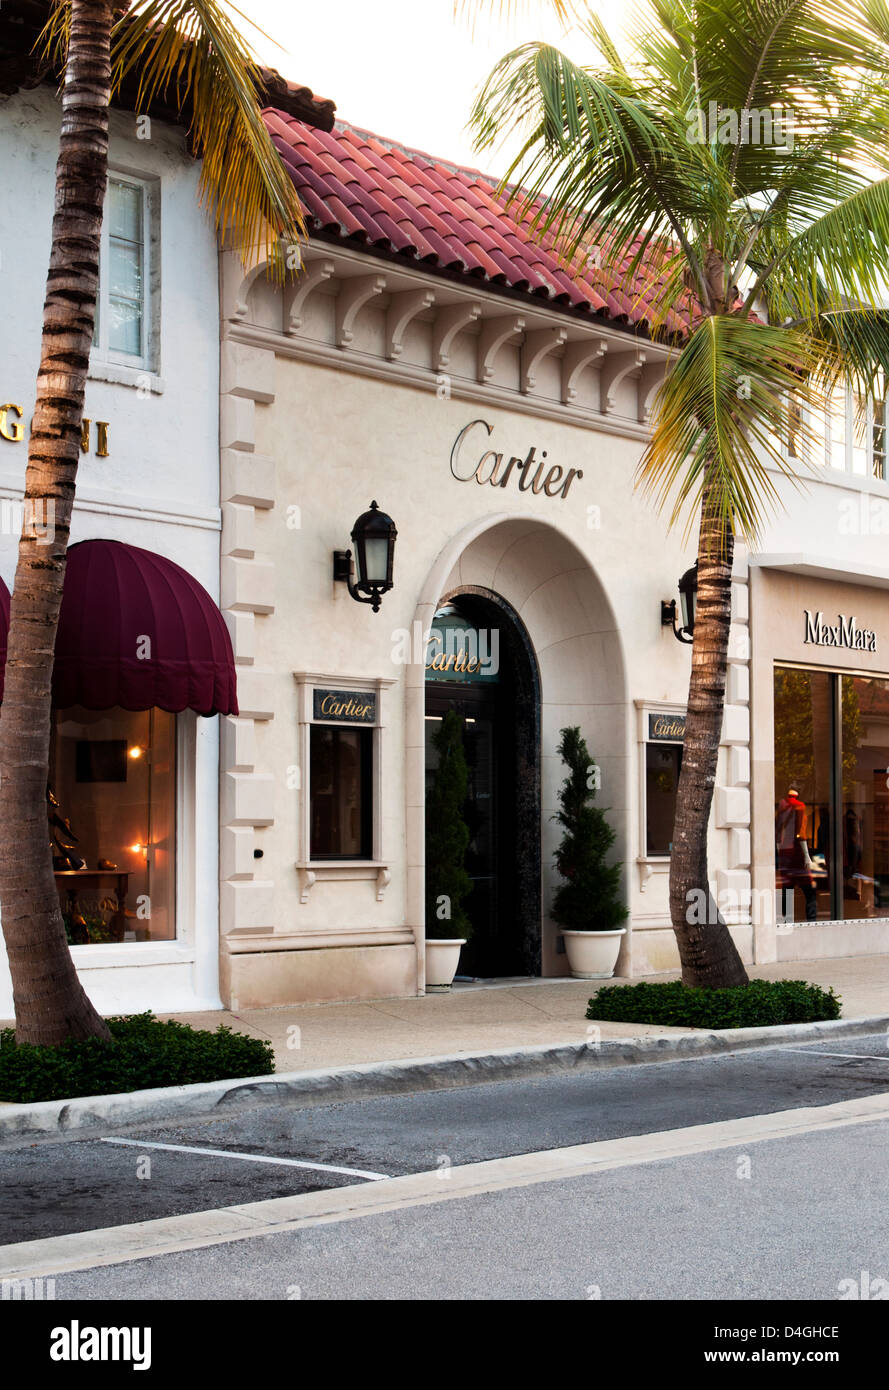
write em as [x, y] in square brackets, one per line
[793, 864]
[852, 853]
[61, 837]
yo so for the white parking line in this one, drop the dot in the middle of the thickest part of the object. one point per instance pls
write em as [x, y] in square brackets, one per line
[250, 1158]
[850, 1056]
[199, 1230]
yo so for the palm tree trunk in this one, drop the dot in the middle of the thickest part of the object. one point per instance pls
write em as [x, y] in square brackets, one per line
[707, 952]
[50, 1002]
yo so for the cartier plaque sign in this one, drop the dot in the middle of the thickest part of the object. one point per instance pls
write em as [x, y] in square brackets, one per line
[666, 728]
[345, 706]
[845, 632]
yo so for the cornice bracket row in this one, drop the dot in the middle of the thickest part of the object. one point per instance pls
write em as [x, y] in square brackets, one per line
[616, 360]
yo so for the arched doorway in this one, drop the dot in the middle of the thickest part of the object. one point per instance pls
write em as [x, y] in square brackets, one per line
[541, 577]
[480, 663]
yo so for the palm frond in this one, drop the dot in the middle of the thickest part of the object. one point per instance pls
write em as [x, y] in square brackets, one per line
[505, 9]
[720, 417]
[853, 346]
[597, 156]
[192, 50]
[52, 41]
[842, 256]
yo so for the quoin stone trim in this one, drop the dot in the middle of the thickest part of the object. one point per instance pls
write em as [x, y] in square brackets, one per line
[247, 791]
[731, 802]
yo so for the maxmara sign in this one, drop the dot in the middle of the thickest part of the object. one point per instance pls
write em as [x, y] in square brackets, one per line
[844, 633]
[498, 469]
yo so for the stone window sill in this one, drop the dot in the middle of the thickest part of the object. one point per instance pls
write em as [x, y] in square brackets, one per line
[140, 378]
[342, 871]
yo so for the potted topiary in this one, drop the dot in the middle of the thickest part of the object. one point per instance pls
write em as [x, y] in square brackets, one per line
[587, 905]
[447, 837]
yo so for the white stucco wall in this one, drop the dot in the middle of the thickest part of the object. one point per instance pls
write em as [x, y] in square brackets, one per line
[322, 413]
[157, 489]
[307, 445]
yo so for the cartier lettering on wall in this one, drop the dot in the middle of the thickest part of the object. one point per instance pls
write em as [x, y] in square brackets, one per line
[844, 633]
[531, 474]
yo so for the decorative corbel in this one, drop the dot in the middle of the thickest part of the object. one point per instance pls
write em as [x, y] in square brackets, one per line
[495, 332]
[384, 878]
[402, 309]
[449, 321]
[236, 286]
[650, 379]
[315, 273]
[308, 883]
[587, 353]
[614, 372]
[536, 346]
[352, 297]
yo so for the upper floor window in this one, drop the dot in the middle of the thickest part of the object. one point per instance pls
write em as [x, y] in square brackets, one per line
[124, 329]
[852, 432]
[879, 439]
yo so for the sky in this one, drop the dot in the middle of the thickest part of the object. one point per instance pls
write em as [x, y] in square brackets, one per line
[405, 69]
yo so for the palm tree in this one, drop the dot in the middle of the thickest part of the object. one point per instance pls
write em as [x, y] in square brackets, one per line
[766, 250]
[193, 48]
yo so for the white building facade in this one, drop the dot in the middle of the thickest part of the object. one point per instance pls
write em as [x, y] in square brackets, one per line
[501, 429]
[428, 357]
[148, 478]
[144, 661]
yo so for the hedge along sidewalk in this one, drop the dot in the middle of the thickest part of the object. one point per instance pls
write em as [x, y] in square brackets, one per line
[91, 1114]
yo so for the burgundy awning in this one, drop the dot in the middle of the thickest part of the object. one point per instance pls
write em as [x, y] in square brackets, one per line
[137, 631]
[4, 629]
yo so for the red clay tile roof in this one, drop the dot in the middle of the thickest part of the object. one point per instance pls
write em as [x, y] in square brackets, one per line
[390, 200]
[297, 100]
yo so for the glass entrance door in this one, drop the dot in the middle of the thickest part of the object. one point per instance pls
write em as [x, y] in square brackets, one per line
[479, 664]
[494, 949]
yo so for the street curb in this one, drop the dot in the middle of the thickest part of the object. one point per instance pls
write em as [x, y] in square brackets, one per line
[88, 1114]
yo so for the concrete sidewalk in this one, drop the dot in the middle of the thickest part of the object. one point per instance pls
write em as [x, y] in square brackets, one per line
[481, 1018]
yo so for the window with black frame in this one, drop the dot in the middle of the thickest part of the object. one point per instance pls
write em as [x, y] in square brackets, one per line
[341, 792]
[662, 764]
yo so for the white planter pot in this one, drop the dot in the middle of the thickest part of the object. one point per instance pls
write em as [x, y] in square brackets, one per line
[592, 955]
[442, 958]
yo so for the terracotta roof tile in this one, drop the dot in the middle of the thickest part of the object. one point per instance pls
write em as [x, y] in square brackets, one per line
[358, 186]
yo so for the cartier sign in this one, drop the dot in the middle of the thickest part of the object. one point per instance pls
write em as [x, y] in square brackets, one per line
[344, 707]
[666, 728]
[499, 468]
[844, 633]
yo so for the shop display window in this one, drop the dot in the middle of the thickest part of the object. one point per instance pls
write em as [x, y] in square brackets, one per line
[831, 795]
[111, 807]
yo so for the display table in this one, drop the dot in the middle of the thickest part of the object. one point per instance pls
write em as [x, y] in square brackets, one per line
[100, 881]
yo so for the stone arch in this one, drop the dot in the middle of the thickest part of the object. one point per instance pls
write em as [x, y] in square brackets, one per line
[561, 603]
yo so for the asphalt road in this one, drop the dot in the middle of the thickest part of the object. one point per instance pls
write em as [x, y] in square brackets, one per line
[809, 1220]
[66, 1185]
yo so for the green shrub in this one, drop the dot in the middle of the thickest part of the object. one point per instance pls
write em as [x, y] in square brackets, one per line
[589, 897]
[143, 1053]
[757, 1005]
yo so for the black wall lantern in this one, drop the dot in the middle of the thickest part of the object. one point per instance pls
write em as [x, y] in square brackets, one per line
[688, 598]
[373, 537]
